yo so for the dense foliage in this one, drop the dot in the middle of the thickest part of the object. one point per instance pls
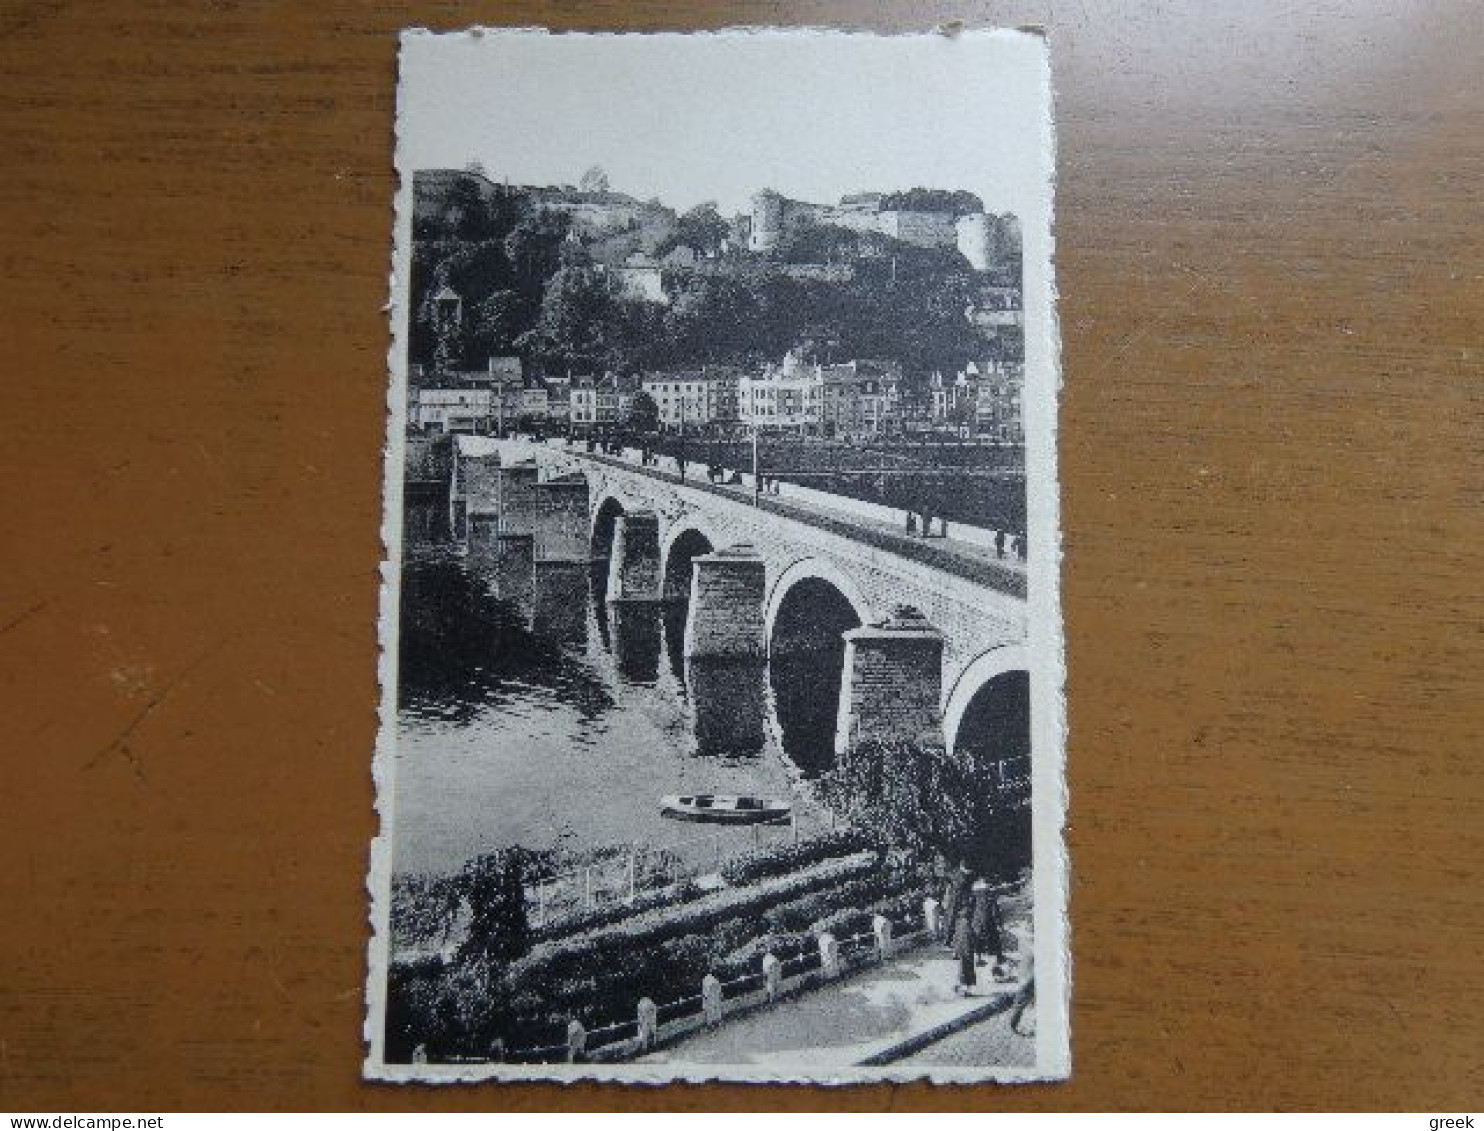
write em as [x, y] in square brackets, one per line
[928, 801]
[598, 978]
[527, 288]
[779, 859]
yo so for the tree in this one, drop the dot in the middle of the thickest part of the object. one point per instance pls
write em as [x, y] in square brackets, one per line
[580, 321]
[959, 203]
[594, 180]
[701, 228]
[494, 885]
[921, 798]
[496, 322]
[533, 245]
[809, 242]
[644, 413]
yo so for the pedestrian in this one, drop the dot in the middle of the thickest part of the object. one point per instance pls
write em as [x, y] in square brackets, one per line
[912, 524]
[953, 900]
[964, 943]
[999, 543]
[1020, 546]
[989, 938]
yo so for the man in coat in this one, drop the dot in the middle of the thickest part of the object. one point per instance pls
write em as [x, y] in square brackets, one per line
[954, 899]
[989, 938]
[965, 944]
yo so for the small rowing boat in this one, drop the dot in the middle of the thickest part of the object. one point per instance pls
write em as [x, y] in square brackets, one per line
[724, 808]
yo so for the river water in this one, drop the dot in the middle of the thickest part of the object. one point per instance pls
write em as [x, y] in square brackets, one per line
[532, 712]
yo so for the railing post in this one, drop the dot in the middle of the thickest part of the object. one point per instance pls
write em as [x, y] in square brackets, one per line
[829, 956]
[576, 1041]
[881, 928]
[649, 1022]
[932, 915]
[711, 1003]
[772, 975]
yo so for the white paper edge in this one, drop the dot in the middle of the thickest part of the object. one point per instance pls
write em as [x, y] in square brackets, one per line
[1045, 644]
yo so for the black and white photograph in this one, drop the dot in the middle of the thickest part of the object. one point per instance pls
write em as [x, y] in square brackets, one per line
[722, 724]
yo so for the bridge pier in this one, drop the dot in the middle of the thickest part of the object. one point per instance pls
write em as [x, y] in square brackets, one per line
[634, 568]
[516, 497]
[562, 519]
[515, 569]
[728, 594]
[893, 682]
[474, 500]
[560, 599]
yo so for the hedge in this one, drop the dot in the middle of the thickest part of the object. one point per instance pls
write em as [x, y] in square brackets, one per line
[597, 917]
[614, 945]
[660, 953]
[780, 859]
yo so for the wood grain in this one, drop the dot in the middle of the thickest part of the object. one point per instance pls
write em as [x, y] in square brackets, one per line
[1272, 273]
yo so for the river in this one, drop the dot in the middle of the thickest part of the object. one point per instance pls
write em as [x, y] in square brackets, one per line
[532, 712]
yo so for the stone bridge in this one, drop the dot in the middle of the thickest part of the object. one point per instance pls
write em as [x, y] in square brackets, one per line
[931, 637]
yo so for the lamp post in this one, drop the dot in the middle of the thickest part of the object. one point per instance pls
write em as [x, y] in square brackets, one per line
[757, 481]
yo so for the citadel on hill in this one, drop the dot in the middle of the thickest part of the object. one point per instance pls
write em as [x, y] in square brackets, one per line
[980, 237]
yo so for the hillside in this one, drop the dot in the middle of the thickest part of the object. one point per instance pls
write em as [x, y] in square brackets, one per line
[539, 271]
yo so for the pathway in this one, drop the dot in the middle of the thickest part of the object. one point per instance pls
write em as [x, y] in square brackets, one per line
[867, 1015]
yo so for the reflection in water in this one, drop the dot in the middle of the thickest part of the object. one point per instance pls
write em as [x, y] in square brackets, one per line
[731, 706]
[806, 669]
[674, 615]
[462, 650]
[516, 727]
[636, 629]
[425, 515]
[515, 572]
[561, 602]
[806, 697]
[597, 580]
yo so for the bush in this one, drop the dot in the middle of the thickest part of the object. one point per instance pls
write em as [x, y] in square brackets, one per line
[599, 917]
[449, 1009]
[661, 953]
[423, 910]
[494, 885]
[801, 914]
[780, 946]
[778, 860]
[730, 969]
[843, 924]
[613, 946]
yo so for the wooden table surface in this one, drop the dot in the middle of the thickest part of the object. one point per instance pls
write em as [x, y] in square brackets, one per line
[1271, 234]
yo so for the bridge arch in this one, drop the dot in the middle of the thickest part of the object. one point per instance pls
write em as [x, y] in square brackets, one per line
[686, 539]
[820, 572]
[810, 607]
[605, 518]
[998, 673]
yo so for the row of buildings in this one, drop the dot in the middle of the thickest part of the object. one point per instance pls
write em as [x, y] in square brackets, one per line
[855, 398]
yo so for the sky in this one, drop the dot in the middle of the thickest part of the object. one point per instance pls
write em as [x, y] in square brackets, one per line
[693, 118]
